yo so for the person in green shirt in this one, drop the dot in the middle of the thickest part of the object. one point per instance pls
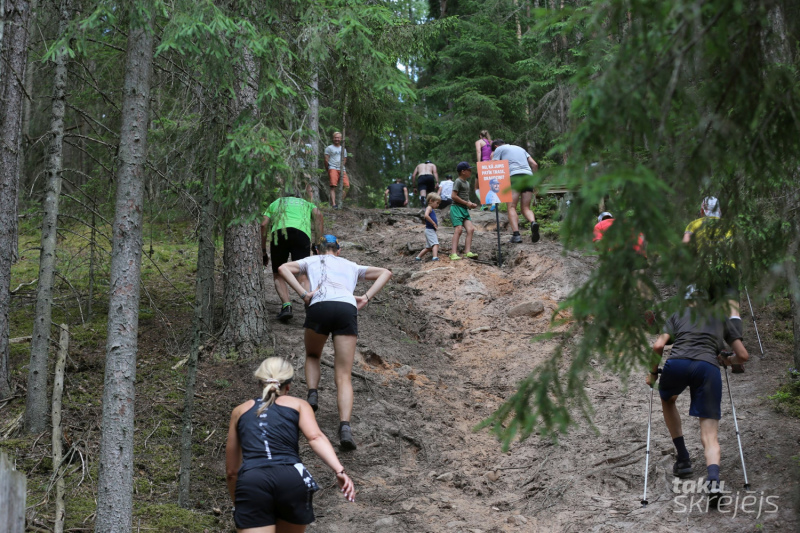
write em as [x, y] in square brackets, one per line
[459, 212]
[287, 222]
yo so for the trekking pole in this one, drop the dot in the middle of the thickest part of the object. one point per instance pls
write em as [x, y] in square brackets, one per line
[753, 316]
[647, 453]
[736, 425]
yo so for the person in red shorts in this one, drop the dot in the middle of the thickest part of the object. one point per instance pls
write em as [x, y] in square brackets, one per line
[335, 160]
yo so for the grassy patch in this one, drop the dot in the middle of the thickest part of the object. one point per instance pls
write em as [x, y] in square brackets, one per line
[787, 398]
[170, 517]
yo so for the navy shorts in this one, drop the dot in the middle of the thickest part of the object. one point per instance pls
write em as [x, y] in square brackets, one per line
[704, 381]
[332, 318]
[266, 495]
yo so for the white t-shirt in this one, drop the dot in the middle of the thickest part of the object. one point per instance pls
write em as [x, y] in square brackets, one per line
[334, 154]
[447, 189]
[517, 159]
[335, 277]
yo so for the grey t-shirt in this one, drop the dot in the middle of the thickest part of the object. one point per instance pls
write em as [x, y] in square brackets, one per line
[461, 188]
[517, 159]
[699, 337]
[334, 154]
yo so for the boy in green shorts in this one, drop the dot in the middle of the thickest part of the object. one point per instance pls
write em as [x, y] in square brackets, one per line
[459, 213]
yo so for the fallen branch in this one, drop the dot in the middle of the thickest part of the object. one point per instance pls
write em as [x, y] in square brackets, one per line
[354, 373]
[612, 460]
[20, 340]
[24, 285]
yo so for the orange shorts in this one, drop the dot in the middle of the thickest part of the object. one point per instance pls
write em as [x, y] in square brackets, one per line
[334, 174]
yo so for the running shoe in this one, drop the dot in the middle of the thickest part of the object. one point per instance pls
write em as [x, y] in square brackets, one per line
[313, 400]
[434, 258]
[285, 314]
[516, 239]
[682, 469]
[454, 257]
[346, 442]
[470, 255]
[417, 259]
[534, 232]
[714, 492]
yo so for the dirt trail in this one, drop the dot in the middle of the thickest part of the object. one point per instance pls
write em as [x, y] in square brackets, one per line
[442, 354]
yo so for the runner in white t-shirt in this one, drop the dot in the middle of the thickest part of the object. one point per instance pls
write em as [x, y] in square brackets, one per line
[333, 310]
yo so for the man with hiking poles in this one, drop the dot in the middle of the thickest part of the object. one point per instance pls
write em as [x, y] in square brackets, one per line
[696, 335]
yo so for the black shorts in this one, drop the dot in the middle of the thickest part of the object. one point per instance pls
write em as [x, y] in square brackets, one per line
[332, 318]
[519, 177]
[266, 495]
[445, 203]
[397, 202]
[427, 183]
[294, 242]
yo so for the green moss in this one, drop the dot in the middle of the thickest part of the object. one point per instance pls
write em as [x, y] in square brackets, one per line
[787, 398]
[171, 518]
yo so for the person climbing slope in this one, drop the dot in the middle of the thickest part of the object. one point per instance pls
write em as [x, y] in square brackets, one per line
[287, 223]
[270, 488]
[333, 311]
[459, 212]
[696, 336]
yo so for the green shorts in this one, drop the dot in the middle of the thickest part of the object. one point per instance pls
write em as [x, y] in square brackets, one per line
[458, 214]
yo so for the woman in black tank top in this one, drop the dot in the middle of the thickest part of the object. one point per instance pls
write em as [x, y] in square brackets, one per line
[270, 487]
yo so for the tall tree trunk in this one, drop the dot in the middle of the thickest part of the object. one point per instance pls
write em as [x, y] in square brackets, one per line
[27, 101]
[14, 60]
[203, 314]
[115, 480]
[36, 400]
[245, 285]
[313, 164]
[245, 311]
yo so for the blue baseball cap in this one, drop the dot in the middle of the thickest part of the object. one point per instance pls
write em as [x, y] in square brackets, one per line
[494, 182]
[463, 166]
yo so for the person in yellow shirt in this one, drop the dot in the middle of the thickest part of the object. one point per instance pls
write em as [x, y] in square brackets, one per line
[712, 240]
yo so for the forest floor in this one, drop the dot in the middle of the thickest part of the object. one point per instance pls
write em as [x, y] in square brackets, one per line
[439, 354]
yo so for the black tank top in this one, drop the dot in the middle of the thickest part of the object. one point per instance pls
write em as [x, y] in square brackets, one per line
[270, 438]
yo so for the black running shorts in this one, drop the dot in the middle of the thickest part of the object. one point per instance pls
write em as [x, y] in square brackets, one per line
[332, 318]
[294, 242]
[266, 495]
[427, 183]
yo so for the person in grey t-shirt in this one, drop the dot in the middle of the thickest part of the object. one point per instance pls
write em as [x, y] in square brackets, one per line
[335, 159]
[520, 164]
[696, 336]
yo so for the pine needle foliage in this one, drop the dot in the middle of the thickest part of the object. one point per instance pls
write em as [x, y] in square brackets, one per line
[673, 101]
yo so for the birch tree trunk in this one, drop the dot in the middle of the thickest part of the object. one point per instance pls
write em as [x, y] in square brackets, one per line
[14, 60]
[36, 400]
[115, 480]
[245, 310]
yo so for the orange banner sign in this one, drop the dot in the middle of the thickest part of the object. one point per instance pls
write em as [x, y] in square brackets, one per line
[494, 182]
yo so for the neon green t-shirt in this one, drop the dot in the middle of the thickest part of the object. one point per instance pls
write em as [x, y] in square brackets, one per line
[290, 213]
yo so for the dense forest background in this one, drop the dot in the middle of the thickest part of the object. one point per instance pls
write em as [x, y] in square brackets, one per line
[118, 115]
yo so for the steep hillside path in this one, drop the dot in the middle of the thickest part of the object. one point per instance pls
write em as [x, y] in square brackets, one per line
[440, 353]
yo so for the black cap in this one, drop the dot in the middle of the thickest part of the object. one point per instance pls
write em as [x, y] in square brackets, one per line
[463, 166]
